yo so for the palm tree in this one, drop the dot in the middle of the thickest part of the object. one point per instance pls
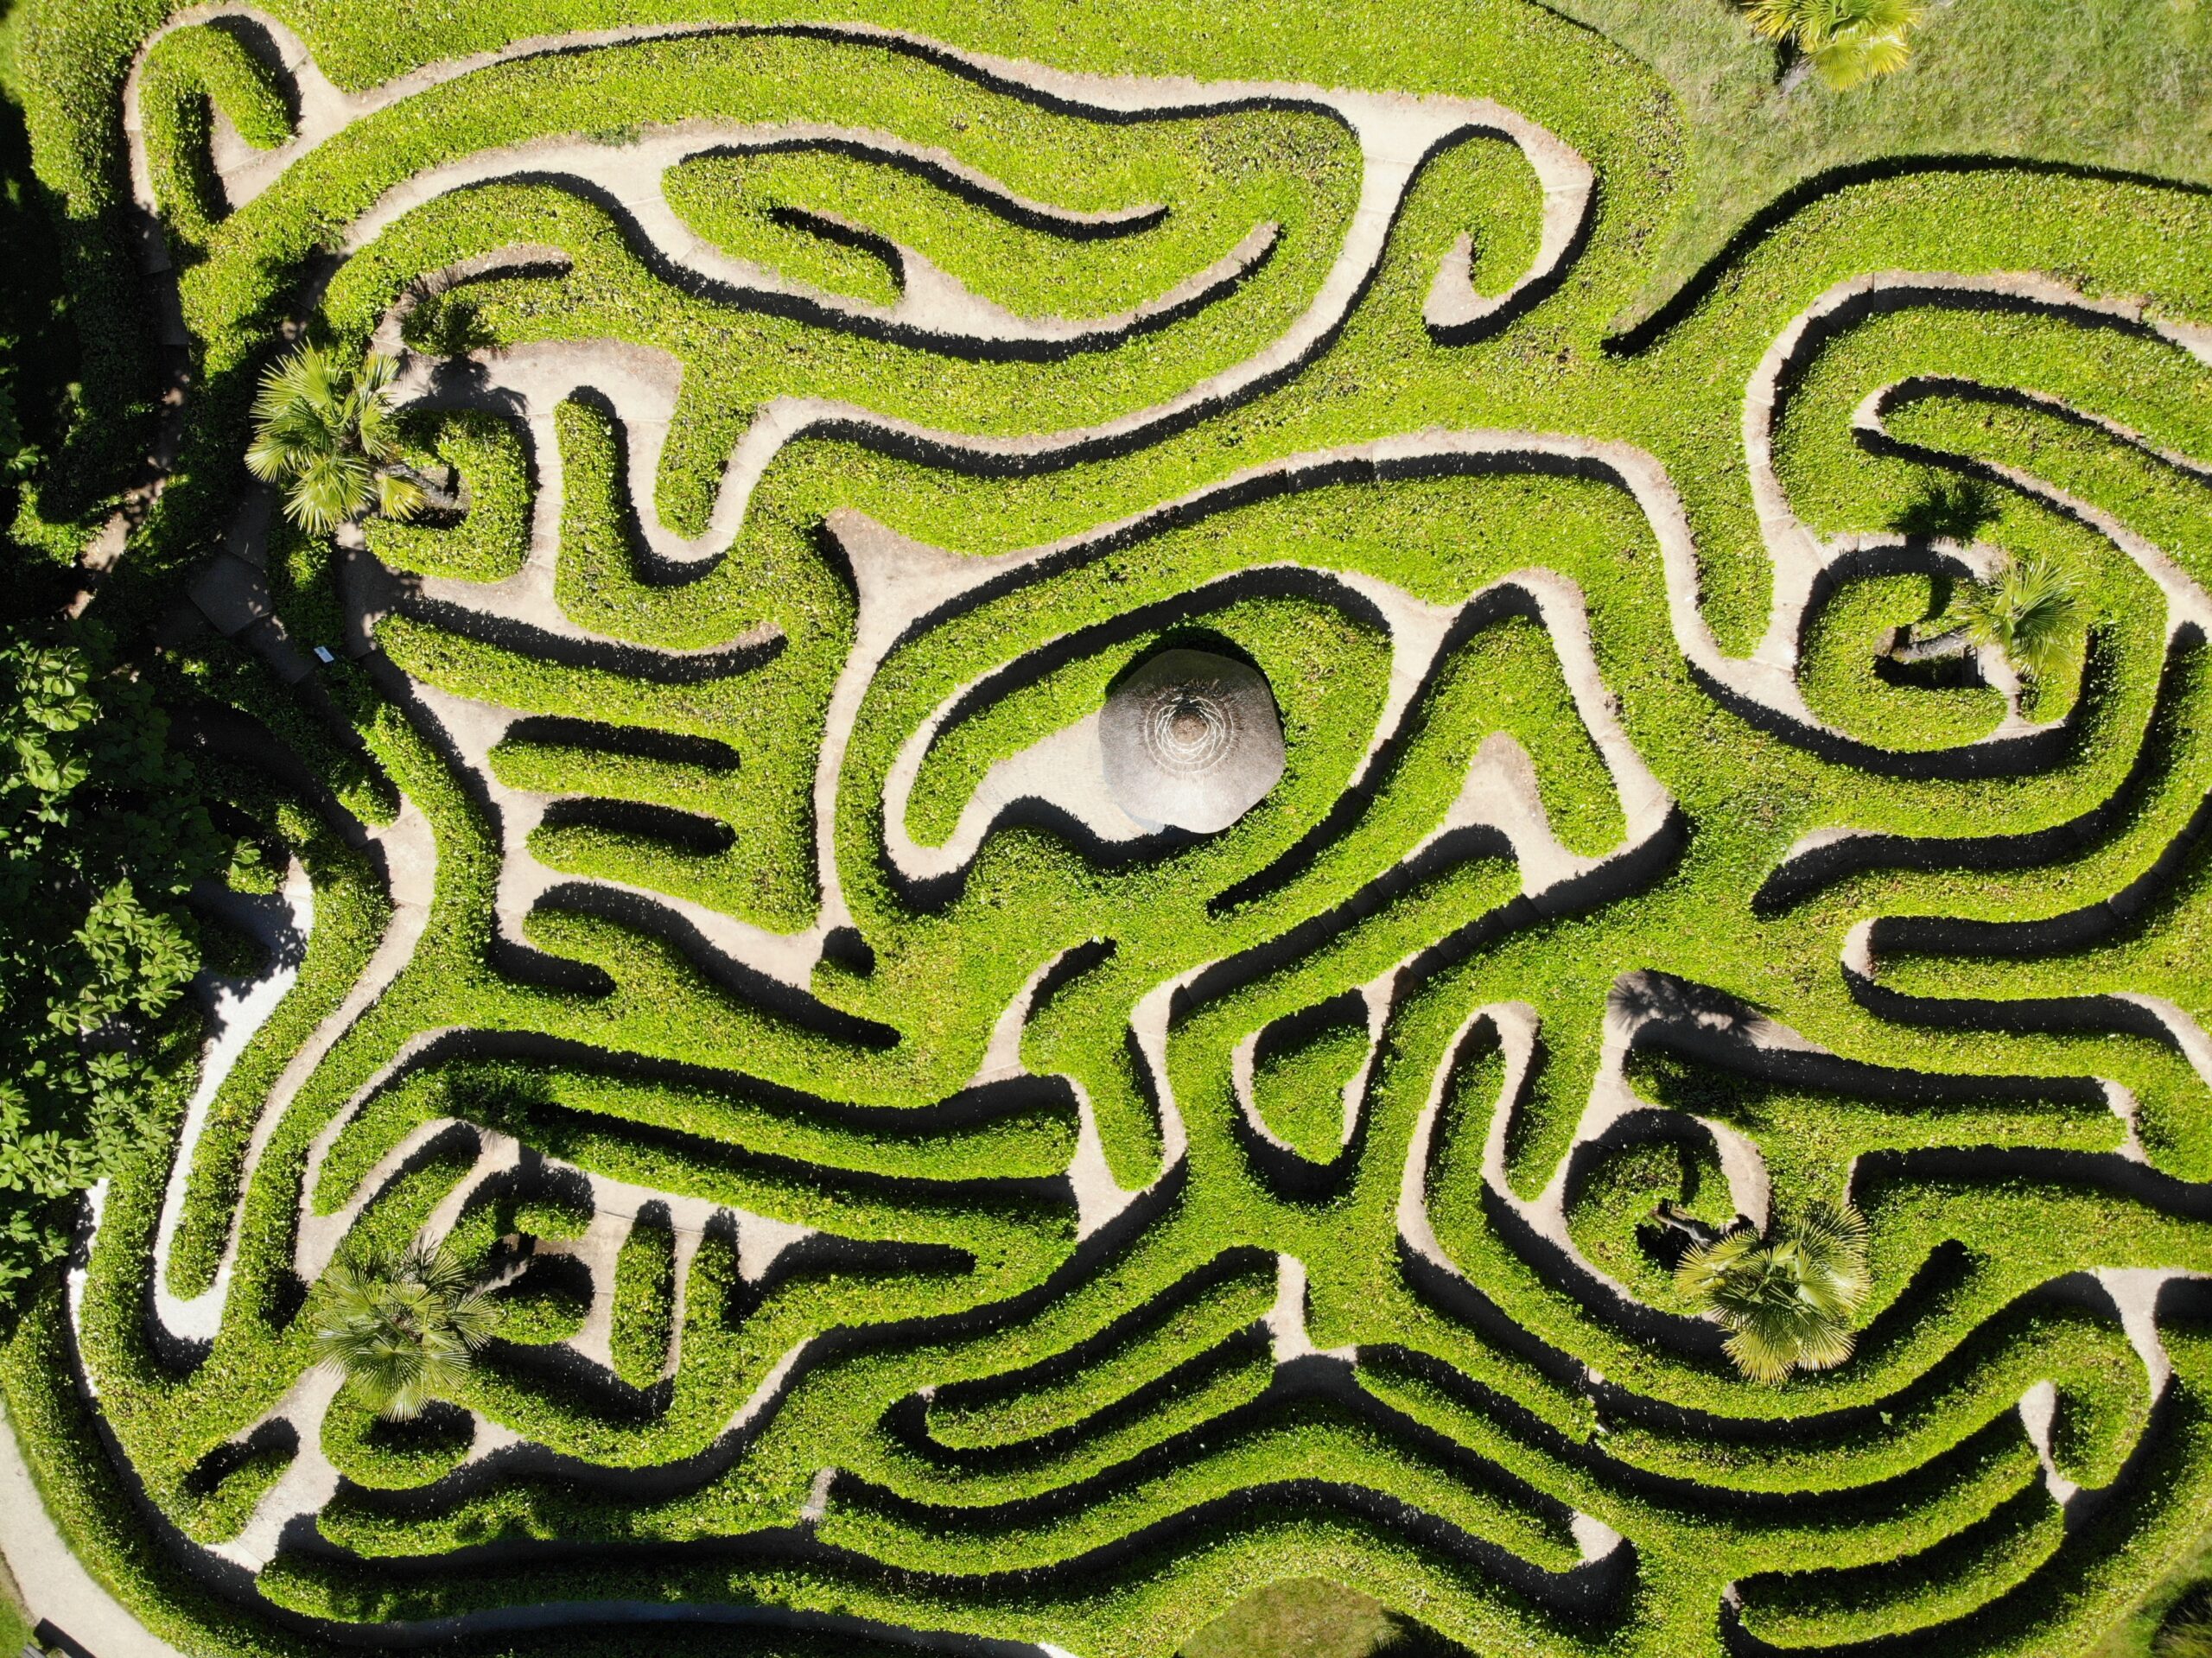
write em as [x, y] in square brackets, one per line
[401, 1322]
[2030, 612]
[1787, 1300]
[1846, 41]
[326, 434]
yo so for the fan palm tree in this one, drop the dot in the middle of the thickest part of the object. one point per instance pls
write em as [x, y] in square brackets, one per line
[2030, 612]
[1846, 41]
[401, 1322]
[1787, 1300]
[325, 432]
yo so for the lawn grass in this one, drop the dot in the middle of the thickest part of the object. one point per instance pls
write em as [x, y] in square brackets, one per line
[2107, 85]
[1312, 1618]
[17, 1623]
[2188, 1586]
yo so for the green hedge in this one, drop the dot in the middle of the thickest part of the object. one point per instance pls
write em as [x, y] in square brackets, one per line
[492, 464]
[189, 74]
[645, 1302]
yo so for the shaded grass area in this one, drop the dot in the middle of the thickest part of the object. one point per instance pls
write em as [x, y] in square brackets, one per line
[1311, 1618]
[15, 1622]
[2117, 85]
[2172, 1613]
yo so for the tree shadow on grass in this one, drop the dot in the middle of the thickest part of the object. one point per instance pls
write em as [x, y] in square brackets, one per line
[1957, 510]
[1311, 1618]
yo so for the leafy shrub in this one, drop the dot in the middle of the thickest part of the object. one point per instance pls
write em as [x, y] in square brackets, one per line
[95, 947]
[188, 73]
[645, 1302]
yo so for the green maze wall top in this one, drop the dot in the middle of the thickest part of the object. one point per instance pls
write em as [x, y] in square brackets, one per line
[929, 1197]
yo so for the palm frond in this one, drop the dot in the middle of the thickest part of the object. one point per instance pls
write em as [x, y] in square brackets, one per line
[377, 430]
[1846, 41]
[1846, 60]
[1787, 1301]
[1762, 1356]
[275, 456]
[1776, 20]
[325, 432]
[2031, 612]
[330, 490]
[379, 370]
[1823, 1346]
[1834, 1237]
[1706, 1265]
[291, 381]
[397, 497]
[401, 1323]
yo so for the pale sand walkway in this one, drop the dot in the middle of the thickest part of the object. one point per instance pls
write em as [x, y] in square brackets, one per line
[55, 1587]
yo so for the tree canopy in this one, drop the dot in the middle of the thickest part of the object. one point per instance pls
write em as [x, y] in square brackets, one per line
[100, 836]
[402, 1322]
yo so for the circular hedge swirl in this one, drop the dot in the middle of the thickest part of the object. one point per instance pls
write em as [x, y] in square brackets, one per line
[927, 1194]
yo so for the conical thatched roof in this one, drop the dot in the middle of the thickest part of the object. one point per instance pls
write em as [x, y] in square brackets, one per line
[1191, 741]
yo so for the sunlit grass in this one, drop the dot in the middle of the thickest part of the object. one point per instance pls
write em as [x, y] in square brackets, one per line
[1310, 1618]
[2113, 85]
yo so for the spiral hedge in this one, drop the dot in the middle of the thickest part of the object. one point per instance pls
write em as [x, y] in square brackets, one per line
[932, 1204]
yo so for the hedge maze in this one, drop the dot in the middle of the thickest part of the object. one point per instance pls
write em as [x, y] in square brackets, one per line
[926, 1196]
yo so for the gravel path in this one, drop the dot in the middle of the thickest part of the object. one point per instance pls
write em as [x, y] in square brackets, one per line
[55, 1585]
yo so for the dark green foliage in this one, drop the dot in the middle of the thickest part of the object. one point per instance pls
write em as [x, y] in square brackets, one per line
[96, 855]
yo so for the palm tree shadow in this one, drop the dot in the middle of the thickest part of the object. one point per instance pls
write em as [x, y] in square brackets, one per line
[1407, 1639]
[1957, 510]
